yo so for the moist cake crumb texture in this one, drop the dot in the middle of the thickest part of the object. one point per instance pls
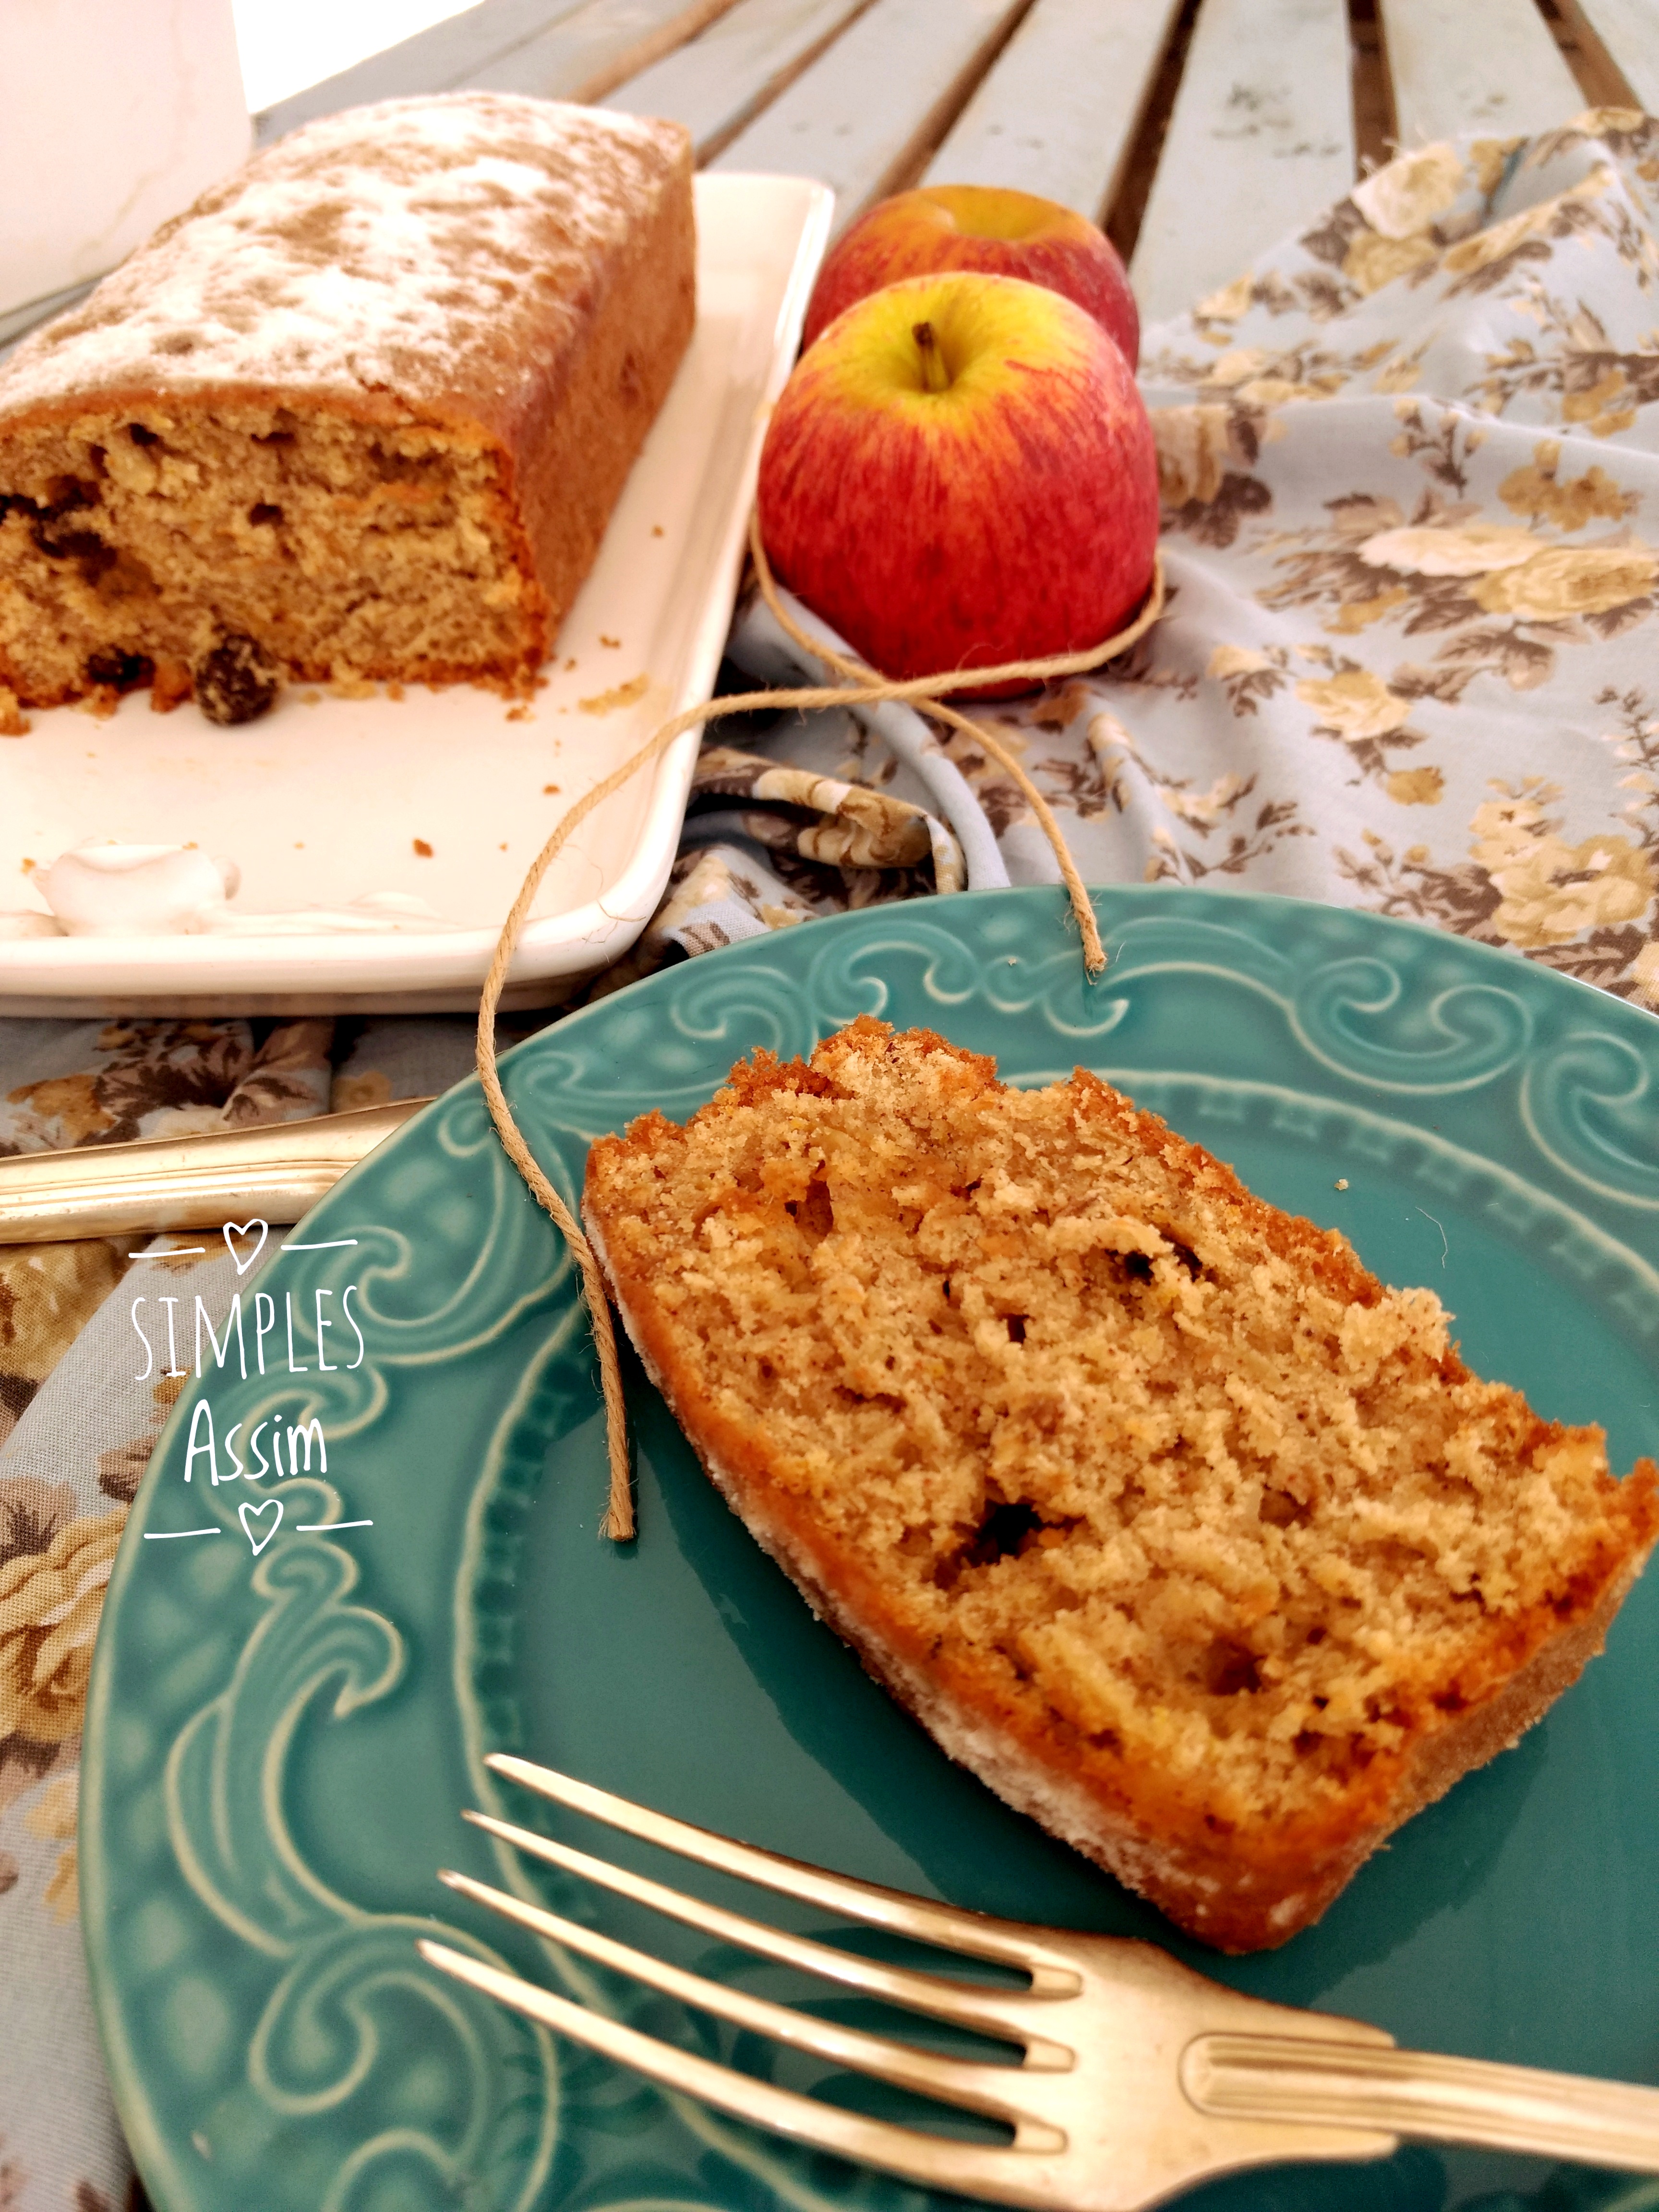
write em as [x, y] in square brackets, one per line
[1172, 1521]
[363, 412]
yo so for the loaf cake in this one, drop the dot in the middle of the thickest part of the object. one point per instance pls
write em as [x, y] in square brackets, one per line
[1168, 1519]
[361, 413]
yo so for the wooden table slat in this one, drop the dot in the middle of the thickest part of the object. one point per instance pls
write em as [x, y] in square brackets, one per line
[1058, 112]
[869, 104]
[584, 56]
[434, 60]
[1261, 138]
[712, 83]
[1628, 30]
[1487, 65]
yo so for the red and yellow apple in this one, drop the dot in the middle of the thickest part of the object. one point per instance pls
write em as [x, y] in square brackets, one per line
[961, 473]
[1000, 232]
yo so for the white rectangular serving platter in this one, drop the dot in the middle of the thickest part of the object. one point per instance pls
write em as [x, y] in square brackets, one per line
[328, 801]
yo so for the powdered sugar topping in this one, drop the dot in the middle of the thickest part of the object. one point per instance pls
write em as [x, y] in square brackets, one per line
[375, 250]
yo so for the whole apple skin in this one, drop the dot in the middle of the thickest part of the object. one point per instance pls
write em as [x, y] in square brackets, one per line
[1010, 516]
[998, 232]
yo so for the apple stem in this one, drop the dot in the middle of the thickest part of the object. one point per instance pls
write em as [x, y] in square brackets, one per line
[935, 377]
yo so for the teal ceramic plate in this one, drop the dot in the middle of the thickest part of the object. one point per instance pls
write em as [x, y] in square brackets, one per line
[279, 1746]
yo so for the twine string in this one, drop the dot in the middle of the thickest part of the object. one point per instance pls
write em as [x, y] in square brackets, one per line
[860, 686]
[857, 673]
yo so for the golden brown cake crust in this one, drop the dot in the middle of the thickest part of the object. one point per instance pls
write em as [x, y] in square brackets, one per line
[1242, 1836]
[512, 280]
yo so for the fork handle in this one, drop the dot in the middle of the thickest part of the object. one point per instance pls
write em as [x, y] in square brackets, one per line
[1417, 2093]
[272, 1171]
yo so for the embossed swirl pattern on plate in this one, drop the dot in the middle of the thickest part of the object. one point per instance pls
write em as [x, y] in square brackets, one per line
[1390, 1006]
[247, 1965]
[1592, 1106]
[1360, 1015]
[322, 2023]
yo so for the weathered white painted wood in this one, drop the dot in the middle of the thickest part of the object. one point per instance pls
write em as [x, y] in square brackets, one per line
[555, 49]
[1058, 112]
[1261, 138]
[1488, 65]
[1629, 32]
[716, 81]
[584, 56]
[432, 61]
[856, 114]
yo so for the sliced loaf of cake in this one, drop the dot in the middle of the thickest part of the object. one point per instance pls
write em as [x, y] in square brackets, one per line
[363, 411]
[1166, 1517]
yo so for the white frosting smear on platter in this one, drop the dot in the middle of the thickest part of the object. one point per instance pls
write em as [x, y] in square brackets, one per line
[109, 889]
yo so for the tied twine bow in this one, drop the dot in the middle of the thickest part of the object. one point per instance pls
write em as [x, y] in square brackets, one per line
[860, 686]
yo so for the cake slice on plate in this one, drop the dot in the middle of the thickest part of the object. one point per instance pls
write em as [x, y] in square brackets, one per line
[1163, 1515]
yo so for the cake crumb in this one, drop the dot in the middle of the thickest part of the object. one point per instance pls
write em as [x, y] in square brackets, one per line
[520, 715]
[621, 694]
[547, 789]
[1179, 1528]
[172, 685]
[422, 847]
[614, 643]
[14, 722]
[1342, 1183]
[656, 530]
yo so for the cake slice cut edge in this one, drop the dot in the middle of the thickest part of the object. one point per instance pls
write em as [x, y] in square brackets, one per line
[1164, 1517]
[360, 414]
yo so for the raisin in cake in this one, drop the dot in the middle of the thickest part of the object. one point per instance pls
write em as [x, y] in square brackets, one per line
[363, 412]
[1168, 1519]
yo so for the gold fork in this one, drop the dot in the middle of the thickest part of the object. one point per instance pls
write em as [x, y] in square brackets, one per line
[1137, 2078]
[274, 1171]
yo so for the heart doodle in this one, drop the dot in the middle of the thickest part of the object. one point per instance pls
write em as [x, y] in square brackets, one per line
[247, 1514]
[236, 1229]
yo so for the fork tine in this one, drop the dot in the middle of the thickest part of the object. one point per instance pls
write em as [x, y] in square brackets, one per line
[979, 2170]
[985, 2010]
[943, 1925]
[953, 2081]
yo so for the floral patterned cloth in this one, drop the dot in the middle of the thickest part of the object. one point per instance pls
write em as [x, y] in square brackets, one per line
[1409, 466]
[1411, 489]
